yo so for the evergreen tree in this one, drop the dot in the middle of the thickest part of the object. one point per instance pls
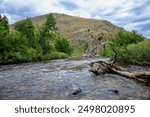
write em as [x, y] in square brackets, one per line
[4, 23]
[47, 33]
[3, 42]
[50, 24]
[4, 28]
[1, 21]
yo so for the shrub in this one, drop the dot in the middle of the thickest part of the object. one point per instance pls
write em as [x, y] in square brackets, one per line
[79, 49]
[139, 52]
[63, 45]
[120, 42]
[55, 55]
[123, 38]
[58, 55]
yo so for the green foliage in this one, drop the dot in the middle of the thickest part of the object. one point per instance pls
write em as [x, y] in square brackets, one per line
[129, 46]
[139, 52]
[47, 34]
[79, 49]
[15, 45]
[3, 41]
[17, 50]
[4, 30]
[54, 55]
[123, 38]
[50, 23]
[4, 23]
[27, 29]
[58, 55]
[63, 45]
[27, 43]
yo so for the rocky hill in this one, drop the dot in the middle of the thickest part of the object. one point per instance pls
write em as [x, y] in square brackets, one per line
[93, 33]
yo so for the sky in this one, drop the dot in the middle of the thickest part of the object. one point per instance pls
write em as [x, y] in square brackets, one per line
[129, 14]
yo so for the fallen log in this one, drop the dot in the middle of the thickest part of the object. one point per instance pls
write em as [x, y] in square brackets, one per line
[101, 67]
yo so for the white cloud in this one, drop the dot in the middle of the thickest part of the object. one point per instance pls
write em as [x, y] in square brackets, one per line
[86, 4]
[137, 25]
[147, 33]
[121, 12]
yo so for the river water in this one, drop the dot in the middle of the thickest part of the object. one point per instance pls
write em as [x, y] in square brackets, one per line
[67, 79]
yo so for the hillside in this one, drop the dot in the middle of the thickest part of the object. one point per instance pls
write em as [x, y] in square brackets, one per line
[90, 32]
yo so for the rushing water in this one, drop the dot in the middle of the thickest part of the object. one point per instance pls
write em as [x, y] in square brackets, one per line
[59, 79]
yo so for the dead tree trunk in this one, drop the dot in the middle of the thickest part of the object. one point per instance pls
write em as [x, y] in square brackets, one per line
[101, 67]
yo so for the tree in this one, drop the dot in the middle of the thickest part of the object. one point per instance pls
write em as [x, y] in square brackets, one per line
[27, 28]
[123, 38]
[4, 30]
[50, 24]
[27, 43]
[13, 46]
[1, 22]
[119, 44]
[4, 23]
[3, 42]
[47, 33]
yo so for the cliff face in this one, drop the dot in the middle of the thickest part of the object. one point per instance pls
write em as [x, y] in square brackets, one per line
[93, 33]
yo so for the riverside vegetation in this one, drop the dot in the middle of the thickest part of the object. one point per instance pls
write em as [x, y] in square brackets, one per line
[130, 47]
[28, 42]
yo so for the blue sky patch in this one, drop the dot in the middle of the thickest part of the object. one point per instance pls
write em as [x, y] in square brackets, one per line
[68, 5]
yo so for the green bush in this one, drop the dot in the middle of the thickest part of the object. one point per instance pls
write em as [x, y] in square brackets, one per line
[55, 55]
[63, 45]
[139, 52]
[58, 55]
[79, 49]
[128, 46]
[123, 38]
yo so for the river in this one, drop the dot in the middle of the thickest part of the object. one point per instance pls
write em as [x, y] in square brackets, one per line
[59, 79]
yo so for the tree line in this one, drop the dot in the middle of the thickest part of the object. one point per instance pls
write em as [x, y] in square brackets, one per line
[28, 42]
[128, 47]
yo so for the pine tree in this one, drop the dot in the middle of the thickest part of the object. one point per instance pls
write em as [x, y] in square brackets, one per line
[50, 24]
[47, 33]
[1, 20]
[4, 28]
[4, 23]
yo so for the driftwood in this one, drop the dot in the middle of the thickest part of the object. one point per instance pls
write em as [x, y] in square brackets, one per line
[101, 67]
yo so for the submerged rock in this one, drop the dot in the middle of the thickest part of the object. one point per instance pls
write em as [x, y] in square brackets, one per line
[77, 91]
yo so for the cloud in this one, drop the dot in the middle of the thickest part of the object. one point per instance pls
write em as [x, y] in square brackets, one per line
[147, 33]
[141, 26]
[130, 14]
[68, 5]
[16, 10]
